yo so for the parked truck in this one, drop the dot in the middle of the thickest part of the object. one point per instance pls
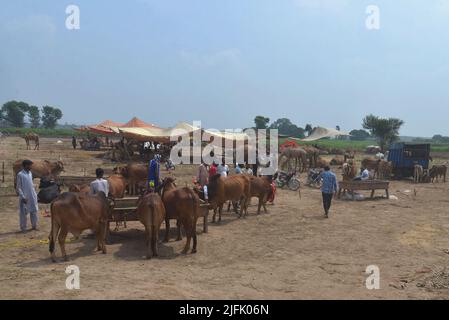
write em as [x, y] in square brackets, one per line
[404, 156]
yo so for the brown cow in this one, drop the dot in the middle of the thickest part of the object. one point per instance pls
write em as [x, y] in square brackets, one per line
[261, 188]
[134, 173]
[117, 185]
[438, 171]
[183, 205]
[84, 188]
[151, 212]
[234, 188]
[31, 136]
[74, 213]
[349, 171]
[40, 168]
[370, 164]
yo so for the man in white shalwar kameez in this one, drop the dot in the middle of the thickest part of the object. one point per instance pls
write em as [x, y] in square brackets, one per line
[27, 196]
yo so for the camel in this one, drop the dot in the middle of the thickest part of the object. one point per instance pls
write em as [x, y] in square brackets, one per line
[312, 155]
[31, 137]
[299, 155]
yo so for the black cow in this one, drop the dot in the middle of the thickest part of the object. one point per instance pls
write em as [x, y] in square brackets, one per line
[49, 190]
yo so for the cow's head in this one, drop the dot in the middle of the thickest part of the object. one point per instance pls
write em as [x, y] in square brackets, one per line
[59, 166]
[121, 170]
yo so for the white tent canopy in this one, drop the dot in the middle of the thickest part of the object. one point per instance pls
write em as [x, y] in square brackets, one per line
[320, 133]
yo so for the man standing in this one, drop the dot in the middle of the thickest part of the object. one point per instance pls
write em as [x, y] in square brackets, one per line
[212, 169]
[328, 188]
[99, 184]
[74, 142]
[27, 196]
[202, 175]
[154, 172]
[223, 169]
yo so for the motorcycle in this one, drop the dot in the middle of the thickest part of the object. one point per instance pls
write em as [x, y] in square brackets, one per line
[283, 178]
[314, 178]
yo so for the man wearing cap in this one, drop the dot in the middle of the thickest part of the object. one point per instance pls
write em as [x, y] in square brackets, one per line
[154, 172]
[27, 196]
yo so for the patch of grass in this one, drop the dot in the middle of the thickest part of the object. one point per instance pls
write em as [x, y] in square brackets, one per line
[359, 145]
[340, 144]
[43, 132]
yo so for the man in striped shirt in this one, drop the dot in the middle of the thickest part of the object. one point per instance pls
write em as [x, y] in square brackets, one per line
[328, 188]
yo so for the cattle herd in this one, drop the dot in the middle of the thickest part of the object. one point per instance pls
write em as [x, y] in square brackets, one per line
[78, 210]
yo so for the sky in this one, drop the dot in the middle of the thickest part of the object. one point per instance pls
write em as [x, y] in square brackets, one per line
[225, 61]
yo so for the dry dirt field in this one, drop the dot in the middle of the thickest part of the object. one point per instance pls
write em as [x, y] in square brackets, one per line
[292, 252]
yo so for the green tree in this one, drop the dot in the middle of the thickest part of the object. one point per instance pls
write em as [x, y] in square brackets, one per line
[286, 127]
[14, 112]
[386, 130]
[261, 122]
[308, 129]
[50, 116]
[359, 135]
[34, 116]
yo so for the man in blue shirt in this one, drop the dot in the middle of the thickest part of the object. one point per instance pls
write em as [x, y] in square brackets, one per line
[154, 172]
[328, 188]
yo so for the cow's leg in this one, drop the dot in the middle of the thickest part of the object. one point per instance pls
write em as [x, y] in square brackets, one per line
[229, 205]
[148, 241]
[205, 222]
[188, 227]
[194, 237]
[61, 240]
[264, 202]
[100, 233]
[259, 205]
[167, 229]
[242, 207]
[154, 238]
[52, 239]
[220, 209]
[213, 216]
[179, 237]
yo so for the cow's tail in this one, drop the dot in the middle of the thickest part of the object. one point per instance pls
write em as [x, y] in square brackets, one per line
[52, 236]
[153, 229]
[195, 205]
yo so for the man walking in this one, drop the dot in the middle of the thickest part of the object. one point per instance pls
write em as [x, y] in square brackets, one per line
[27, 196]
[74, 142]
[328, 188]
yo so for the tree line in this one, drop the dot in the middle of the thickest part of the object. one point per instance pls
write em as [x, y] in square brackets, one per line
[14, 113]
[284, 127]
[384, 130]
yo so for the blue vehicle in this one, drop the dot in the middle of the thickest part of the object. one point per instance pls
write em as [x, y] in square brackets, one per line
[404, 156]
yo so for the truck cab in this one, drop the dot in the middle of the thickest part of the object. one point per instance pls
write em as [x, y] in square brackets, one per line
[404, 156]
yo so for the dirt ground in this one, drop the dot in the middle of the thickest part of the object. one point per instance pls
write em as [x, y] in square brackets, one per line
[291, 252]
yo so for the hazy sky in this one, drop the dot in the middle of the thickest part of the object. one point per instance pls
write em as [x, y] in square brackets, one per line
[225, 61]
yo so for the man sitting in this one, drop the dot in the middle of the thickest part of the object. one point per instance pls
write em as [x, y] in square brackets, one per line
[364, 175]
